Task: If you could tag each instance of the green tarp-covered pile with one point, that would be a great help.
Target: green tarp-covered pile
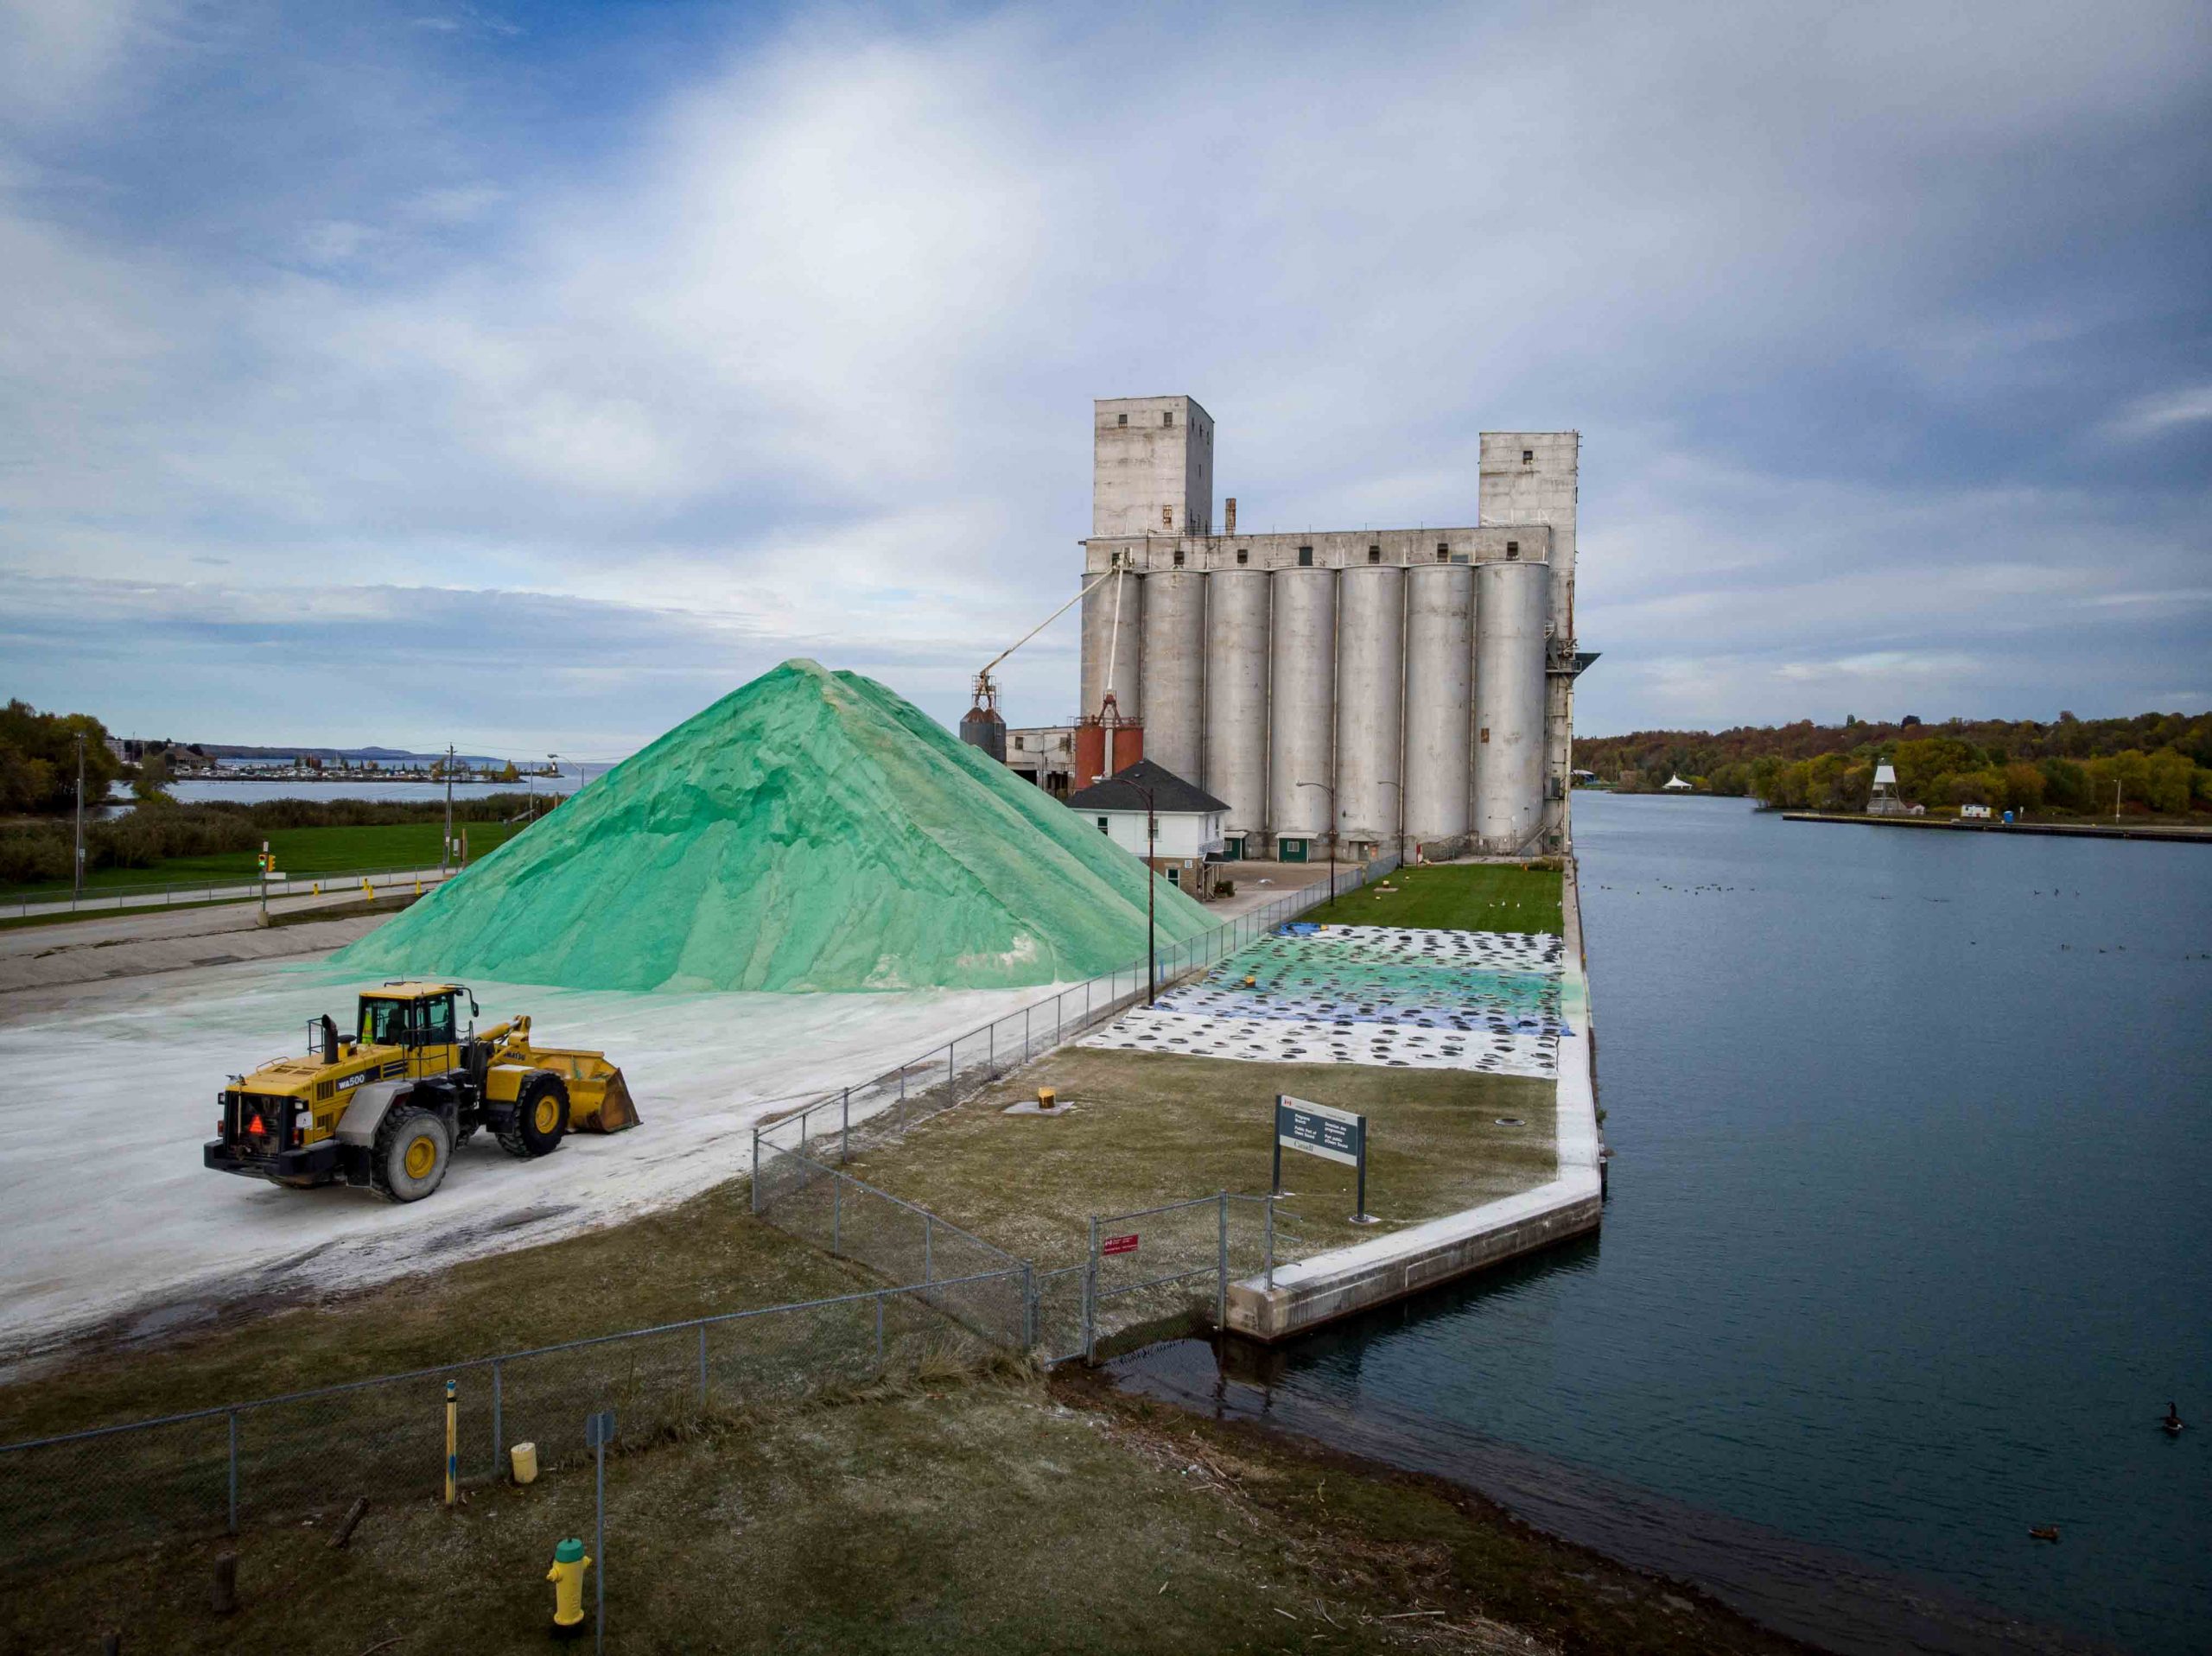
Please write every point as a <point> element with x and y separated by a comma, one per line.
<point>811,831</point>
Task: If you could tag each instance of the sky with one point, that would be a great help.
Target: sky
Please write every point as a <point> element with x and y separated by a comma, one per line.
<point>528,375</point>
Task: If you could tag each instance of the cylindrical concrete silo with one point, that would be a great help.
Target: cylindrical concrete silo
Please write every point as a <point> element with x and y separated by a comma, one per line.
<point>1236,700</point>
<point>1301,697</point>
<point>1440,670</point>
<point>1510,603</point>
<point>1174,670</point>
<point>1125,641</point>
<point>1370,680</point>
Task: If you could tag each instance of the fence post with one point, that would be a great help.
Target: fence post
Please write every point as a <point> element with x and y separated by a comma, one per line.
<point>1029,1305</point>
<point>1025,1035</point>
<point>948,1066</point>
<point>845,1130</point>
<point>234,1471</point>
<point>1271,1244</point>
<point>756,1170</point>
<point>991,1050</point>
<point>1091,1294</point>
<point>879,1333</point>
<point>702,1366</point>
<point>926,1223</point>
<point>1221,1288</point>
<point>498,1430</point>
<point>836,1214</point>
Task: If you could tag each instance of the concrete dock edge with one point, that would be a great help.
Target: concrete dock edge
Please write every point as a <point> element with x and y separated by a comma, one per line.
<point>1349,1279</point>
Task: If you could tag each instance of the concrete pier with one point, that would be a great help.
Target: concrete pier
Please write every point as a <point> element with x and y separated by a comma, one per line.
<point>2066,830</point>
<point>1329,1285</point>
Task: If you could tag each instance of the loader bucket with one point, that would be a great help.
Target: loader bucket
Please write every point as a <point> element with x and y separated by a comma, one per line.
<point>599,1099</point>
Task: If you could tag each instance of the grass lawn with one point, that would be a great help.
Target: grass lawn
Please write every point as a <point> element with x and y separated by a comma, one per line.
<point>302,853</point>
<point>1151,1128</point>
<point>705,1256</point>
<point>1455,897</point>
<point>1000,1513</point>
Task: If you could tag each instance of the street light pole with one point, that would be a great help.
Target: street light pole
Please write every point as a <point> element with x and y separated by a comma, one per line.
<point>77,880</point>
<point>1151,882</point>
<point>1331,792</point>
<point>445,851</point>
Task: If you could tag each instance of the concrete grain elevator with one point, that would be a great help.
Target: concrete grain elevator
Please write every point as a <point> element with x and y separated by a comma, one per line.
<point>1346,692</point>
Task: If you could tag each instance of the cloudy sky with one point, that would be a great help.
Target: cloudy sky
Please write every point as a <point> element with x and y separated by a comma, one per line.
<point>529,375</point>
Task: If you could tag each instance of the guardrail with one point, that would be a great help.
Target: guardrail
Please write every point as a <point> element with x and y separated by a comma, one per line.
<point>97,899</point>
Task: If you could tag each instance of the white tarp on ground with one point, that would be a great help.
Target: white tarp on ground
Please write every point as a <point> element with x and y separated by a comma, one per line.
<point>1378,995</point>
<point>105,1208</point>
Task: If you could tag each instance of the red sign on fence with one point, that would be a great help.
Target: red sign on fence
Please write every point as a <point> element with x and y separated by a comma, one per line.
<point>1119,1244</point>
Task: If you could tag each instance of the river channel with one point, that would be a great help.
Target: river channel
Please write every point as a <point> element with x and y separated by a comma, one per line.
<point>1909,1244</point>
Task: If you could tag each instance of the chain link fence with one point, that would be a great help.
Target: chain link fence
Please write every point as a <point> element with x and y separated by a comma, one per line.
<point>117,1489</point>
<point>956,1299</point>
<point>885,1106</point>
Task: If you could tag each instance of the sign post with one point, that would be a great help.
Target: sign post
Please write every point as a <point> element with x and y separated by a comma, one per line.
<point>598,1428</point>
<point>1332,1134</point>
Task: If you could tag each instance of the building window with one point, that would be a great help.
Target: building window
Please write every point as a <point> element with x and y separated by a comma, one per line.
<point>1120,419</point>
<point>1374,554</point>
<point>1178,557</point>
<point>1443,552</point>
<point>1101,821</point>
<point>1168,418</point>
<point>1513,549</point>
<point>1175,875</point>
<point>1243,555</point>
<point>1167,517</point>
<point>1306,557</point>
<point>1527,457</point>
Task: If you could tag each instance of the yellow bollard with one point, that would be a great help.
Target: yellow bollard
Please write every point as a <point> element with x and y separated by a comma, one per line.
<point>368,891</point>
<point>452,1444</point>
<point>315,889</point>
<point>418,885</point>
<point>567,1575</point>
<point>524,1457</point>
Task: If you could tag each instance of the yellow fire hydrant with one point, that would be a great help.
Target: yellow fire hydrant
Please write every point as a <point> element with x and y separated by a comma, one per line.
<point>568,1579</point>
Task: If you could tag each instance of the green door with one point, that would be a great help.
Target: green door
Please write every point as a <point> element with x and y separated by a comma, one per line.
<point>1290,850</point>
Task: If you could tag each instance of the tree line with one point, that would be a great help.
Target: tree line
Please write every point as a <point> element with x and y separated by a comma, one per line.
<point>2159,763</point>
<point>38,795</point>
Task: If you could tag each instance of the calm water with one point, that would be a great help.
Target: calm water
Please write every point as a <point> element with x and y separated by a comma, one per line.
<point>193,793</point>
<point>1909,1244</point>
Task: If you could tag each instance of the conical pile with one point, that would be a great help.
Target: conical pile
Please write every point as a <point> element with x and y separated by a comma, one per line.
<point>811,831</point>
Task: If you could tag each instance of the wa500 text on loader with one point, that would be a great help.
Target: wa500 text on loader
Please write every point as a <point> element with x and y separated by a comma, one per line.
<point>388,1107</point>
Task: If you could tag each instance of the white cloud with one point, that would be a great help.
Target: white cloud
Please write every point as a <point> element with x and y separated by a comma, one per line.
<point>2162,411</point>
<point>808,339</point>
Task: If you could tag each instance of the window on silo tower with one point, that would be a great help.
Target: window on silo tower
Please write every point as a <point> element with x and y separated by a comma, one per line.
<point>1168,418</point>
<point>1120,419</point>
<point>1304,557</point>
<point>1374,554</point>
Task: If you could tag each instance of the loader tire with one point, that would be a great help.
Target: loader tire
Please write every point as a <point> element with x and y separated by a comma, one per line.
<point>412,1151</point>
<point>540,1118</point>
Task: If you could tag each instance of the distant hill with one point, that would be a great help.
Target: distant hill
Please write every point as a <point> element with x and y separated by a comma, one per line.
<point>333,755</point>
<point>2159,761</point>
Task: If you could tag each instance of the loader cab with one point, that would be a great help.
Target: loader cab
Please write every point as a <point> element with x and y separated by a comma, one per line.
<point>423,1019</point>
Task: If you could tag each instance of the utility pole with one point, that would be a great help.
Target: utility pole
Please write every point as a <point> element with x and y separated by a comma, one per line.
<point>77,880</point>
<point>1151,851</point>
<point>2115,793</point>
<point>445,851</point>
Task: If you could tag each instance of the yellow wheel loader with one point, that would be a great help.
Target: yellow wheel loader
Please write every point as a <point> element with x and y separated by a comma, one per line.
<point>387,1108</point>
